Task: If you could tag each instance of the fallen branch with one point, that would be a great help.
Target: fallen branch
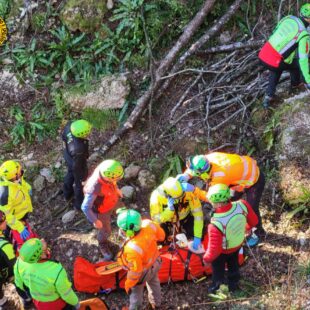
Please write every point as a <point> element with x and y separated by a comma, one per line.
<point>232,47</point>
<point>161,71</point>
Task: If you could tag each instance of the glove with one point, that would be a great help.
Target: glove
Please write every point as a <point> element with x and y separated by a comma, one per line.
<point>196,243</point>
<point>182,177</point>
<point>25,234</point>
<point>171,204</point>
<point>187,187</point>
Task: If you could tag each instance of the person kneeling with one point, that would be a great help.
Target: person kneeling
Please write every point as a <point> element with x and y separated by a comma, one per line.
<point>141,257</point>
<point>226,234</point>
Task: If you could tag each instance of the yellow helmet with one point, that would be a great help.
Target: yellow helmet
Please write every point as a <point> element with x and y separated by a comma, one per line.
<point>173,188</point>
<point>10,170</point>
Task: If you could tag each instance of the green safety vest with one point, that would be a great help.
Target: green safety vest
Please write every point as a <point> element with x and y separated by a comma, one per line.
<point>232,224</point>
<point>47,281</point>
<point>287,35</point>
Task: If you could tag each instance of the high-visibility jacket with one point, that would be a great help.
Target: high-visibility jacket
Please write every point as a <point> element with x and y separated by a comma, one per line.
<point>188,204</point>
<point>290,39</point>
<point>15,202</point>
<point>140,252</point>
<point>100,196</point>
<point>46,280</point>
<point>7,259</point>
<point>238,172</point>
<point>232,225</point>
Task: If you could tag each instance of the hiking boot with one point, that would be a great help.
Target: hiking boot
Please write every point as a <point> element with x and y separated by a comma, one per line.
<point>212,289</point>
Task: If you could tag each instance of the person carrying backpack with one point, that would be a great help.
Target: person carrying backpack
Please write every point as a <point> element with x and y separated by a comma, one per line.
<point>226,234</point>
<point>140,256</point>
<point>288,50</point>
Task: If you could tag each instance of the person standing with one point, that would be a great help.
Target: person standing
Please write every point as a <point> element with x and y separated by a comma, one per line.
<point>75,136</point>
<point>140,256</point>
<point>288,50</point>
<point>240,173</point>
<point>44,279</point>
<point>15,200</point>
<point>226,234</point>
<point>101,198</point>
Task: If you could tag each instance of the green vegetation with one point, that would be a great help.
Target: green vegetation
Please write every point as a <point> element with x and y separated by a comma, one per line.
<point>173,167</point>
<point>301,204</point>
<point>4,8</point>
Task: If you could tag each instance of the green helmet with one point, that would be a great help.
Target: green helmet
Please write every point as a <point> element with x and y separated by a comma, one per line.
<point>199,165</point>
<point>81,128</point>
<point>128,220</point>
<point>111,169</point>
<point>305,10</point>
<point>10,170</point>
<point>218,193</point>
<point>173,188</point>
<point>31,251</point>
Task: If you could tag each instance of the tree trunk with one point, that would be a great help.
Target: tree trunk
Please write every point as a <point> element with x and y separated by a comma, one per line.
<point>162,69</point>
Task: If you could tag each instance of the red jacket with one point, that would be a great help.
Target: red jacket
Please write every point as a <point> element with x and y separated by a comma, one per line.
<point>215,236</point>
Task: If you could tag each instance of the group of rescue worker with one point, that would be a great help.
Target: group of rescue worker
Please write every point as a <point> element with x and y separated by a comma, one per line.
<point>177,205</point>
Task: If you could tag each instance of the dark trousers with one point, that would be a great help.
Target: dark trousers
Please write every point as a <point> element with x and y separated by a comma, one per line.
<point>253,197</point>
<point>275,74</point>
<point>218,269</point>
<point>69,189</point>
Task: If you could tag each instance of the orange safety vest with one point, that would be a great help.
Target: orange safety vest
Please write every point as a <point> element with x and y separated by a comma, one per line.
<point>236,171</point>
<point>107,193</point>
<point>140,252</point>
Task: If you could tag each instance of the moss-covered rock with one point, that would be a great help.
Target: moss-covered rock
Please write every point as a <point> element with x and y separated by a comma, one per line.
<point>294,151</point>
<point>84,15</point>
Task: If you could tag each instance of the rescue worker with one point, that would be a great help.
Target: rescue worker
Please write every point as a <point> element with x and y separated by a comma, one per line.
<point>15,199</point>
<point>75,136</point>
<point>226,234</point>
<point>101,198</point>
<point>7,259</point>
<point>171,204</point>
<point>288,50</point>
<point>46,280</point>
<point>141,257</point>
<point>240,173</point>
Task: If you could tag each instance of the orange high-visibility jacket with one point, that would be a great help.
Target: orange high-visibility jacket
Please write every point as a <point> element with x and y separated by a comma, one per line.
<point>238,172</point>
<point>140,252</point>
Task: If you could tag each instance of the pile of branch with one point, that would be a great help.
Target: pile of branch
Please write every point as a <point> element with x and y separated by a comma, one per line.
<point>217,93</point>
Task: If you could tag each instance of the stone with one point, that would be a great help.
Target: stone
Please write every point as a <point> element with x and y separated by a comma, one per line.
<point>38,183</point>
<point>293,151</point>
<point>57,165</point>
<point>47,173</point>
<point>69,252</point>
<point>109,93</point>
<point>68,217</point>
<point>128,191</point>
<point>146,179</point>
<point>30,163</point>
<point>131,172</point>
<point>225,37</point>
<point>84,15</point>
<point>93,157</point>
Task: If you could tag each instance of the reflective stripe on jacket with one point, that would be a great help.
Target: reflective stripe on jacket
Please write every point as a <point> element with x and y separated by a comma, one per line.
<point>236,171</point>
<point>140,252</point>
<point>232,224</point>
<point>189,203</point>
<point>46,281</point>
<point>15,202</point>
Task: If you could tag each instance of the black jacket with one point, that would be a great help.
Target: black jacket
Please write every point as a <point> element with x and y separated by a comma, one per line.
<point>75,153</point>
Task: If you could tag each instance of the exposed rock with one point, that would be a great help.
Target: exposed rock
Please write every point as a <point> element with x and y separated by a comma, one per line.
<point>47,173</point>
<point>38,183</point>
<point>12,90</point>
<point>128,191</point>
<point>93,157</point>
<point>30,163</point>
<point>57,165</point>
<point>83,15</point>
<point>109,93</point>
<point>131,171</point>
<point>294,152</point>
<point>68,217</point>
<point>146,179</point>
